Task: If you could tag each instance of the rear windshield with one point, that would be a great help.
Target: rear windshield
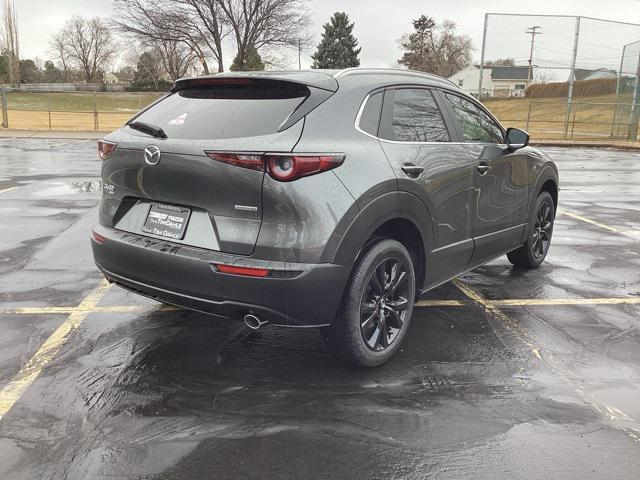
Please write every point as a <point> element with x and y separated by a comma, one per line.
<point>224,111</point>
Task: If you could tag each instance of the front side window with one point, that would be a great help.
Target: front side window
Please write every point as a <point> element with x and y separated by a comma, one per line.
<point>416,117</point>
<point>477,125</point>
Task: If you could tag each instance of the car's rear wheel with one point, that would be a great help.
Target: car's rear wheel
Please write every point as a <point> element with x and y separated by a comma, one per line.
<point>533,253</point>
<point>377,306</point>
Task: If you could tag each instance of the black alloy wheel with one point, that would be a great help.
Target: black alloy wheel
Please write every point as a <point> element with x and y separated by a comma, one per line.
<point>541,237</point>
<point>377,307</point>
<point>534,251</point>
<point>384,304</point>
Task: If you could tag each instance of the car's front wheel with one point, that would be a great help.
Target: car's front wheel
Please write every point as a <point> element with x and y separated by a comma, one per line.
<point>377,306</point>
<point>533,253</point>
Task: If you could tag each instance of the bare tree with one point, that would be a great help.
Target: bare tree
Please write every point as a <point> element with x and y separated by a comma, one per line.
<point>177,58</point>
<point>266,24</point>
<point>199,24</point>
<point>10,41</point>
<point>545,76</point>
<point>89,45</point>
<point>500,62</point>
<point>58,48</point>
<point>435,48</point>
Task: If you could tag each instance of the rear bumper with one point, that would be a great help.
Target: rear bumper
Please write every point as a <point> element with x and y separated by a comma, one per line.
<point>297,295</point>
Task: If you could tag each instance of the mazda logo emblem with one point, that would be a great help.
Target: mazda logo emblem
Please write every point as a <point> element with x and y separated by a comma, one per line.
<point>152,155</point>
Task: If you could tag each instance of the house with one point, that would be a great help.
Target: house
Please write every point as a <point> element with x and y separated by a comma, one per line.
<point>586,74</point>
<point>497,81</point>
<point>110,78</point>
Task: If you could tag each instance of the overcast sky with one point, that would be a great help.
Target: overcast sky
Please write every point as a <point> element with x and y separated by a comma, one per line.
<point>379,24</point>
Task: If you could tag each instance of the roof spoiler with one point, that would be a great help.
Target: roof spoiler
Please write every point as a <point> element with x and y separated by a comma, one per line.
<point>309,79</point>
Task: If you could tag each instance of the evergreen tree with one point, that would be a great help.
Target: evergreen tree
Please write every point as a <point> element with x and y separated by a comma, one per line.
<point>338,47</point>
<point>148,72</point>
<point>251,61</point>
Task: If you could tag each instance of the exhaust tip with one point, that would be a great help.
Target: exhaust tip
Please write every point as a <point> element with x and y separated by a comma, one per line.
<point>253,322</point>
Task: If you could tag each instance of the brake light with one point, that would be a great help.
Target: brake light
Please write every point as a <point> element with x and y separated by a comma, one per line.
<point>105,148</point>
<point>286,168</point>
<point>281,167</point>
<point>244,271</point>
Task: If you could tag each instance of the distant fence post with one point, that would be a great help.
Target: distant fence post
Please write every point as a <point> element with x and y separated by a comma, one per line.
<point>635,108</point>
<point>5,115</point>
<point>572,76</point>
<point>49,108</point>
<point>482,52</point>
<point>95,111</point>
<point>529,115</point>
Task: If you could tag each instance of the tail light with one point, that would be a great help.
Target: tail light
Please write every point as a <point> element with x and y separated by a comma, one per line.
<point>281,167</point>
<point>245,160</point>
<point>105,148</point>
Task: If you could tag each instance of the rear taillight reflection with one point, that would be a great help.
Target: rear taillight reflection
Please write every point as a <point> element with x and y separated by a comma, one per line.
<point>281,167</point>
<point>243,271</point>
<point>96,237</point>
<point>105,148</point>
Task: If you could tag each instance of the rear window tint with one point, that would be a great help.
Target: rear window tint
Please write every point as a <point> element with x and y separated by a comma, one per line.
<point>225,111</point>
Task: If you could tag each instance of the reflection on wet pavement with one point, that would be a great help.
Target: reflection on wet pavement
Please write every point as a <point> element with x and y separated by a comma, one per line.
<point>175,394</point>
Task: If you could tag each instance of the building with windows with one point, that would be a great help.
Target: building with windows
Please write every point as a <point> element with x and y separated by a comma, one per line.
<point>497,81</point>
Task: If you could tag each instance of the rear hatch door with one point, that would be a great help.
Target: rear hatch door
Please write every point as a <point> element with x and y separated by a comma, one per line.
<point>220,203</point>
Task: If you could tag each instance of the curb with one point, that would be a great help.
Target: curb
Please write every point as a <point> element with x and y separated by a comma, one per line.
<point>617,146</point>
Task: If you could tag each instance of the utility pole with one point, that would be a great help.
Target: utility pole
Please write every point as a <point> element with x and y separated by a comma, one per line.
<point>533,31</point>
<point>299,54</point>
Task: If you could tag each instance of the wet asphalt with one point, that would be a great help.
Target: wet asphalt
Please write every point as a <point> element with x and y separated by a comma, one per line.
<point>487,392</point>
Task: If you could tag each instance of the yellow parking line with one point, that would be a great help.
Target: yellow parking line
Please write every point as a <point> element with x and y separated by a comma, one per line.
<point>492,309</point>
<point>566,301</point>
<point>587,220</point>
<point>513,302</point>
<point>440,303</point>
<point>12,392</point>
<point>614,414</point>
<point>111,309</point>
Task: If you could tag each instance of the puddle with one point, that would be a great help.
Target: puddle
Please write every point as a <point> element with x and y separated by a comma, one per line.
<point>55,189</point>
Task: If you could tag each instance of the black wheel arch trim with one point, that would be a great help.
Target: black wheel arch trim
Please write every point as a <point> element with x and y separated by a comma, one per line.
<point>386,207</point>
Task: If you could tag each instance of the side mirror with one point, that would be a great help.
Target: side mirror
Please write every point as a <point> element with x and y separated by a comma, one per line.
<point>516,138</point>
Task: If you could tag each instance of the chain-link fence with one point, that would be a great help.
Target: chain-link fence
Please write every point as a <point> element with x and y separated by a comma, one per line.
<point>580,74</point>
<point>74,111</point>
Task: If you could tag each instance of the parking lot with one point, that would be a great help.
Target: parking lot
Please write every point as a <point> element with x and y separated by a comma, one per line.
<point>505,374</point>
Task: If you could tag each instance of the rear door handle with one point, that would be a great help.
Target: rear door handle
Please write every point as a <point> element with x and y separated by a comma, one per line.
<point>412,169</point>
<point>483,168</point>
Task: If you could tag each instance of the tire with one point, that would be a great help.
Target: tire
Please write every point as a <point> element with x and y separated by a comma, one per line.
<point>379,297</point>
<point>540,230</point>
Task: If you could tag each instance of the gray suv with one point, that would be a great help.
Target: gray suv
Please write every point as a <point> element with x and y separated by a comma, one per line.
<point>328,199</point>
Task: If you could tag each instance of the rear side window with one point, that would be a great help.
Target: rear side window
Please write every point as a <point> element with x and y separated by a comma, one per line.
<point>224,111</point>
<point>370,117</point>
<point>415,117</point>
<point>476,124</point>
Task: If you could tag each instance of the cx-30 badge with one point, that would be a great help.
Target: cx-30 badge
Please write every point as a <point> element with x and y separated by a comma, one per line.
<point>152,155</point>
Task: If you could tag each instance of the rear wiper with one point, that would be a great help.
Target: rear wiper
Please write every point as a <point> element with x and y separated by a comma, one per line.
<point>148,129</point>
